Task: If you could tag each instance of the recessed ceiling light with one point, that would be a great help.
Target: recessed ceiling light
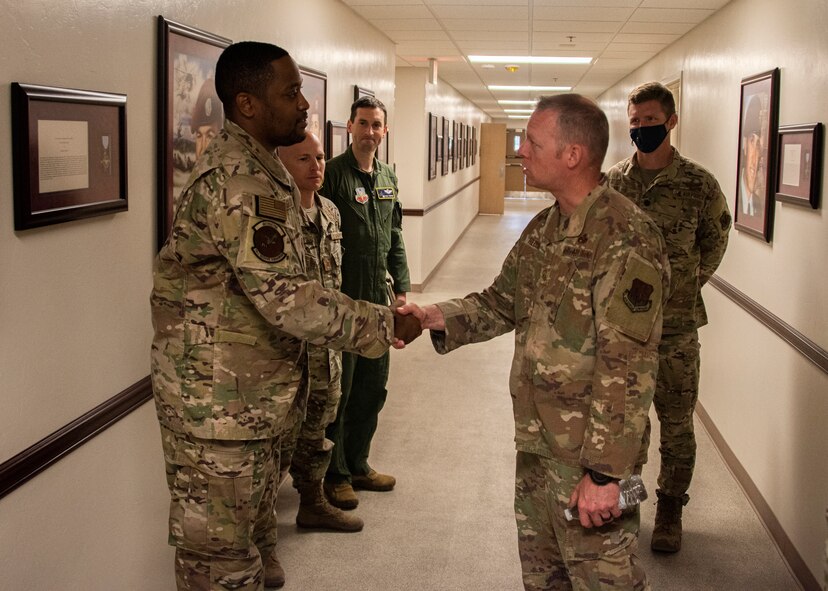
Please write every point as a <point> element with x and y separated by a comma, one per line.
<point>513,102</point>
<point>531,88</point>
<point>527,59</point>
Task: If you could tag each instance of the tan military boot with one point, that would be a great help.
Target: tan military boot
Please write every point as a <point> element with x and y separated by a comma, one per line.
<point>274,574</point>
<point>373,481</point>
<point>341,494</point>
<point>667,529</point>
<point>316,512</point>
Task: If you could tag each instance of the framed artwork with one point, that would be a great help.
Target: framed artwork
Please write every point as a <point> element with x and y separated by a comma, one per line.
<point>453,146</point>
<point>432,146</point>
<point>758,112</point>
<point>444,165</point>
<point>461,146</point>
<point>315,87</point>
<point>69,154</point>
<point>799,165</point>
<point>360,92</point>
<point>386,148</point>
<point>190,113</point>
<point>474,146</point>
<point>337,139</point>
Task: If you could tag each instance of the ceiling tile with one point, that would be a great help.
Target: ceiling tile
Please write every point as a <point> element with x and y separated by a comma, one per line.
<point>645,38</point>
<point>706,4</point>
<point>579,13</point>
<point>404,11</point>
<point>576,26</point>
<point>418,35</point>
<point>484,12</point>
<point>669,28</point>
<point>412,24</point>
<point>670,15</point>
<point>579,3</point>
<point>477,24</point>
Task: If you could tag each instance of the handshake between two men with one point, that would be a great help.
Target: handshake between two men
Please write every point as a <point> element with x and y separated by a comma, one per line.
<point>410,320</point>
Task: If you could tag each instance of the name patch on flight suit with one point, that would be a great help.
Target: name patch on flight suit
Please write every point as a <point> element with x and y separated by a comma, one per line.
<point>385,192</point>
<point>636,299</point>
<point>361,196</point>
<point>268,242</point>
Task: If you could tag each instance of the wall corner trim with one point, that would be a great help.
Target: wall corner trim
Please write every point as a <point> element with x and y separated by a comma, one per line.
<point>52,448</point>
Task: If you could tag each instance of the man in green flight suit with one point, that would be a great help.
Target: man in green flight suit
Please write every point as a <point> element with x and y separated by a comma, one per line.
<point>686,203</point>
<point>365,192</point>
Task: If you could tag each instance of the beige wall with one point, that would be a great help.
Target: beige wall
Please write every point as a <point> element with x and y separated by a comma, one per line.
<point>769,403</point>
<point>428,238</point>
<point>75,314</point>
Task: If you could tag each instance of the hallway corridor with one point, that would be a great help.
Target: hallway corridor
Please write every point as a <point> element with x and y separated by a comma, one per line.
<point>446,433</point>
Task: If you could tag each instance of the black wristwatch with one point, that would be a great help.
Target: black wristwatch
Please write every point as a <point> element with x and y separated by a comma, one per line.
<point>600,479</point>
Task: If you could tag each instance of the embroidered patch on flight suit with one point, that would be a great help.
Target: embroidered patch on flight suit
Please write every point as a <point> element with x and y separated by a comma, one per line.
<point>385,192</point>
<point>267,206</point>
<point>636,299</point>
<point>268,243</point>
<point>361,196</point>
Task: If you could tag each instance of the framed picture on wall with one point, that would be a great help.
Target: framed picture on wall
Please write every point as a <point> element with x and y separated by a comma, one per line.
<point>337,139</point>
<point>386,148</point>
<point>360,92</point>
<point>314,87</point>
<point>474,146</point>
<point>758,114</point>
<point>799,165</point>
<point>444,165</point>
<point>432,146</point>
<point>453,146</point>
<point>190,113</point>
<point>69,154</point>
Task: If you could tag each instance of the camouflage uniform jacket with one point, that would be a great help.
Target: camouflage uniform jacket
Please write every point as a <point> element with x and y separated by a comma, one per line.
<point>323,256</point>
<point>690,209</point>
<point>584,295</point>
<point>372,240</point>
<point>232,303</point>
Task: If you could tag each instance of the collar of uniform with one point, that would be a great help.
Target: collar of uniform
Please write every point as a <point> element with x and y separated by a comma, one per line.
<point>352,161</point>
<point>670,171</point>
<point>572,225</point>
<point>267,159</point>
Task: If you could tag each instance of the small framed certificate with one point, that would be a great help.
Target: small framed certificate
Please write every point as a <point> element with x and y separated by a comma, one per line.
<point>799,166</point>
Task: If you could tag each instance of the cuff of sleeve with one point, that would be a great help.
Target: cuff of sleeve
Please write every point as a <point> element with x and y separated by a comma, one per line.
<point>384,337</point>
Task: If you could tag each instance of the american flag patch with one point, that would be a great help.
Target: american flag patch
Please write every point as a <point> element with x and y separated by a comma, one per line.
<point>271,208</point>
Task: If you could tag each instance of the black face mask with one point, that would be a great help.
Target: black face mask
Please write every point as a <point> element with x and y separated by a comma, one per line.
<point>648,139</point>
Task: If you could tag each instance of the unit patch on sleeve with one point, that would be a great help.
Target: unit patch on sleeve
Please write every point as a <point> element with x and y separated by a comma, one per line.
<point>268,242</point>
<point>635,302</point>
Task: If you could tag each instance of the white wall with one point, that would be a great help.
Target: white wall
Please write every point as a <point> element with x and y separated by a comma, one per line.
<point>75,316</point>
<point>428,238</point>
<point>769,403</point>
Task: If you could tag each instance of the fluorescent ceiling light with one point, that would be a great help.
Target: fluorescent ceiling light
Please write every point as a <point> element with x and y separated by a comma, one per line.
<point>518,116</point>
<point>527,59</point>
<point>518,110</point>
<point>531,88</point>
<point>511,102</point>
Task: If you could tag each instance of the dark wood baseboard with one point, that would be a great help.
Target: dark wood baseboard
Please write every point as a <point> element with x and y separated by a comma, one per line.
<point>796,564</point>
<point>35,459</point>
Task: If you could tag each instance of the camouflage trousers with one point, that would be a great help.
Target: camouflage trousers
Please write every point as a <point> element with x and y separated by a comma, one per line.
<point>677,390</point>
<point>222,510</point>
<point>306,452</point>
<point>557,554</point>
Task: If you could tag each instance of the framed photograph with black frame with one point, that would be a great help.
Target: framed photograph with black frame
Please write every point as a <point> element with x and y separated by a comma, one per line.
<point>338,139</point>
<point>190,113</point>
<point>474,145</point>
<point>360,92</point>
<point>386,148</point>
<point>69,154</point>
<point>453,145</point>
<point>799,165</point>
<point>758,117</point>
<point>432,146</point>
<point>444,165</point>
<point>315,89</point>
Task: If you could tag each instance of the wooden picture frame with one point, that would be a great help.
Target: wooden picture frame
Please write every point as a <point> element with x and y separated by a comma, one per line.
<point>189,110</point>
<point>444,165</point>
<point>386,148</point>
<point>799,164</point>
<point>474,146</point>
<point>758,121</point>
<point>453,146</point>
<point>432,146</point>
<point>69,151</point>
<point>315,90</point>
<point>360,92</point>
<point>338,139</point>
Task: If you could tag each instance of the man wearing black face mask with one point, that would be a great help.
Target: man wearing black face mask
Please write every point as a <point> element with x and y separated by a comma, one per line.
<point>685,201</point>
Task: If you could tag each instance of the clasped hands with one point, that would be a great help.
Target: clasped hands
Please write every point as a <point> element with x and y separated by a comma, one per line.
<point>410,320</point>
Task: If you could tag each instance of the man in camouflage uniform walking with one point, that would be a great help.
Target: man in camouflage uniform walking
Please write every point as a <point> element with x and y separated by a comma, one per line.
<point>306,452</point>
<point>583,290</point>
<point>687,204</point>
<point>231,308</point>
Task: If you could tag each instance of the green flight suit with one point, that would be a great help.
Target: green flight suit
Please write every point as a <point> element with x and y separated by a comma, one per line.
<point>373,247</point>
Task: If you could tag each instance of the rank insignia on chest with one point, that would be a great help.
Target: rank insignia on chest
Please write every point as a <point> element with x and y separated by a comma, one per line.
<point>336,235</point>
<point>326,264</point>
<point>269,242</point>
<point>638,296</point>
<point>385,193</point>
<point>361,196</point>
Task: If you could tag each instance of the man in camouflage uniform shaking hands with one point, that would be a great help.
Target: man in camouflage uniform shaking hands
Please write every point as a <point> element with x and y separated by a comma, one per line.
<point>232,307</point>
<point>583,290</point>
<point>691,211</point>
